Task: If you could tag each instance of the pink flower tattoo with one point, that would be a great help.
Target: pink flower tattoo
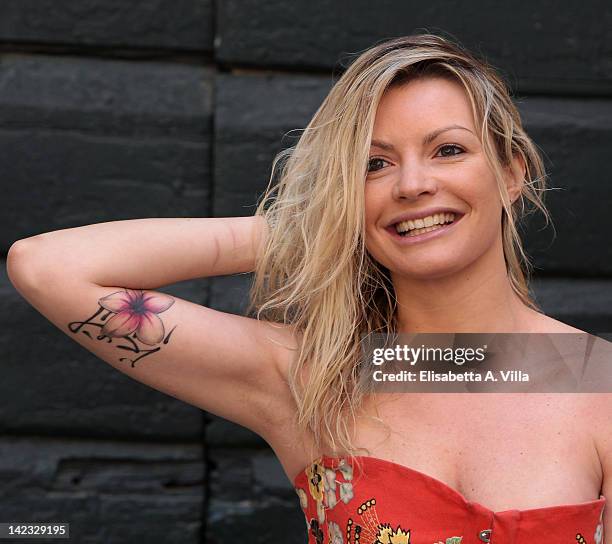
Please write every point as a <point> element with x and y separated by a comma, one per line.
<point>134,317</point>
<point>136,312</point>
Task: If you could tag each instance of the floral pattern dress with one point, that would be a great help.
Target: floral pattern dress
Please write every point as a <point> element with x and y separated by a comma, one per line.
<point>366,500</point>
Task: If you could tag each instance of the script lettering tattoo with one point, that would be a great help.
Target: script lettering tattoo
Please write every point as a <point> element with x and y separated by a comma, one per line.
<point>134,318</point>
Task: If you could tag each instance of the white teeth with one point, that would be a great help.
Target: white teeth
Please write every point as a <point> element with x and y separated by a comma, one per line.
<point>425,222</point>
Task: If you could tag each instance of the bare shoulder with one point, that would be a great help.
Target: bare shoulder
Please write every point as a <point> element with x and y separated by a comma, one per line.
<point>596,408</point>
<point>599,408</point>
<point>546,324</point>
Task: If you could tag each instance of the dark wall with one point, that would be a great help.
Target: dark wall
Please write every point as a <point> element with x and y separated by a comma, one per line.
<point>115,110</point>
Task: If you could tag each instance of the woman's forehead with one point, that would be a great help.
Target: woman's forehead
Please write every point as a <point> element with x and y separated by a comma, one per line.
<point>423,108</point>
<point>423,99</point>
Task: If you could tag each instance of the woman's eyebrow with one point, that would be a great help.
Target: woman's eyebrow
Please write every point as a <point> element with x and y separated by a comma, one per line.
<point>426,140</point>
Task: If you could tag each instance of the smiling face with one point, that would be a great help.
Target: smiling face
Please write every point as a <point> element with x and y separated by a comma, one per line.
<point>419,163</point>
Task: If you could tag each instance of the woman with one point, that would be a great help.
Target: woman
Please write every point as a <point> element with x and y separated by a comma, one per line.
<point>416,133</point>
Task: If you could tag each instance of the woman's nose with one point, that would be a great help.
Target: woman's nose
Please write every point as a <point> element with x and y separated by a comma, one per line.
<point>413,180</point>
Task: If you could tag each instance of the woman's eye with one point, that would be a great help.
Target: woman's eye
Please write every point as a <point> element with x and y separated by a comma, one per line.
<point>449,150</point>
<point>374,161</point>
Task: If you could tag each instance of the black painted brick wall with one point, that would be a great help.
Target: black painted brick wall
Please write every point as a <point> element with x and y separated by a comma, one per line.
<point>113,110</point>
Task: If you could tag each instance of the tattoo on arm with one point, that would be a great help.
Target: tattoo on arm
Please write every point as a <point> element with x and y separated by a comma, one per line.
<point>134,319</point>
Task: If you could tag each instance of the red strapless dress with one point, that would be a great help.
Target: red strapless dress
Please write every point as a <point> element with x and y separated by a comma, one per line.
<point>373,501</point>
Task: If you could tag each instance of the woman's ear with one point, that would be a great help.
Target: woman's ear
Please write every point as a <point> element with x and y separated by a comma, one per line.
<point>517,172</point>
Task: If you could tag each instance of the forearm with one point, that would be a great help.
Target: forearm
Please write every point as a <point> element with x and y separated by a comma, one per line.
<point>148,253</point>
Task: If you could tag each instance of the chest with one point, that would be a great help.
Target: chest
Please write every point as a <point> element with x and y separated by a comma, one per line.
<point>504,451</point>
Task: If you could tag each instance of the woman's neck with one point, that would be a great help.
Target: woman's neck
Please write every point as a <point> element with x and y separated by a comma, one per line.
<point>478,298</point>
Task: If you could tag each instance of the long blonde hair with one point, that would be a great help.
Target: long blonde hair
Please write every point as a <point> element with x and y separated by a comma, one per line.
<point>315,273</point>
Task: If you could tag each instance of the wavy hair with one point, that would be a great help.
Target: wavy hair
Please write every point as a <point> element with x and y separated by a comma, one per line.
<point>314,272</point>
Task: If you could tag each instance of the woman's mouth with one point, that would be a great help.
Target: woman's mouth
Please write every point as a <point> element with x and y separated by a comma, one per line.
<point>422,234</point>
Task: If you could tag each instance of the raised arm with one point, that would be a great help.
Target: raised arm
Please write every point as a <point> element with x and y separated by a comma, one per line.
<point>147,253</point>
<point>97,284</point>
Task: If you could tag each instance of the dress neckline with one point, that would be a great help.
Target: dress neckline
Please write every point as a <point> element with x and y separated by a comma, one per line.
<point>367,459</point>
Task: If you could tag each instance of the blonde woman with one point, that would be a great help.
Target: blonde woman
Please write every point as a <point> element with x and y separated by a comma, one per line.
<point>396,211</point>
